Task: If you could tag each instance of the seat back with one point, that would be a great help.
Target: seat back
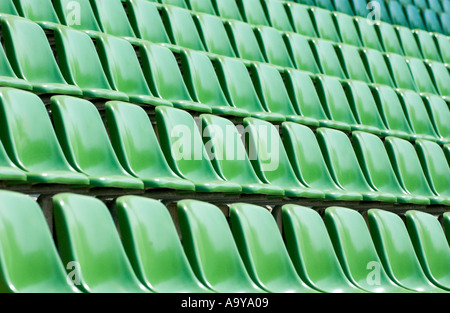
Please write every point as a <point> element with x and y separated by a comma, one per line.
<point>37,10</point>
<point>112,18</point>
<point>78,14</point>
<point>215,35</point>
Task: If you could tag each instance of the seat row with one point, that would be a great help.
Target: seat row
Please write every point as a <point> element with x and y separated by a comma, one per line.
<point>334,255</point>
<point>78,152</point>
<point>173,24</point>
<point>110,69</point>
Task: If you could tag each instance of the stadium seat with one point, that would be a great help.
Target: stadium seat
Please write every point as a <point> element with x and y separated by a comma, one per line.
<point>153,246</point>
<point>177,3</point>
<point>441,76</point>
<point>32,58</point>
<point>271,162</point>
<point>389,38</point>
<point>396,251</point>
<point>397,14</point>
<point>360,7</point>
<point>278,16</point>
<point>83,225</point>
<point>414,17</point>
<point>409,171</point>
<point>343,165</point>
<point>78,121</point>
<point>356,252</point>
<point>37,10</point>
<point>432,21</point>
<point>263,251</point>
<point>325,4</point>
<point>446,6</point>
<point>301,53</point>
<point>30,262</point>
<point>368,34</point>
<point>427,45</point>
<point>436,5</point>
<point>7,76</point>
<point>400,72</point>
<point>137,147</point>
<point>325,26</point>
<point>202,6</point>
<point>189,158</point>
<point>8,170</point>
<point>312,252</point>
<point>421,76</point>
<point>273,46</point>
<point>30,140</point>
<point>211,249</point>
<point>343,6</point>
<point>445,21</point>
<point>227,9</point>
<point>384,13</point>
<point>352,63</point>
<point>253,12</point>
<point>347,29</point>
<point>244,41</point>
<point>444,47</point>
<point>112,18</point>
<point>327,58</point>
<point>301,20</point>
<point>229,156</point>
<point>409,43</point>
<point>214,35</point>
<point>78,14</point>
<point>8,7</point>
<point>431,247</point>
<point>439,114</point>
<point>420,4</point>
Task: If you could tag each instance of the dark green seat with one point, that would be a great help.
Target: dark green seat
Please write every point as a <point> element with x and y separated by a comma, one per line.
<point>183,148</point>
<point>31,143</point>
<point>301,19</point>
<point>229,156</point>
<point>396,251</point>
<point>87,235</point>
<point>431,247</point>
<point>211,249</point>
<point>244,41</point>
<point>227,9</point>
<point>378,170</point>
<point>311,250</point>
<point>153,247</point>
<point>271,162</point>
<point>137,147</point>
<point>409,171</point>
<point>446,218</point>
<point>309,164</point>
<point>29,260</point>
<point>352,63</point>
<point>112,18</point>
<point>123,70</point>
<point>325,26</point>
<point>253,12</point>
<point>37,10</point>
<point>356,251</point>
<point>327,58</point>
<point>32,58</point>
<point>263,251</point>
<point>447,152</point>
<point>85,142</point>
<point>301,53</point>
<point>277,13</point>
<point>8,7</point>
<point>343,165</point>
<point>76,14</point>
<point>273,46</point>
<point>215,35</point>
<point>377,67</point>
<point>439,114</point>
<point>347,29</point>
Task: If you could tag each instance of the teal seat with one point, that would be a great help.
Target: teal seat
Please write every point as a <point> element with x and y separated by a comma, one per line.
<point>112,18</point>
<point>211,249</point>
<point>87,235</point>
<point>431,20</point>
<point>137,147</point>
<point>390,39</point>
<point>377,67</point>
<point>29,260</point>
<point>409,171</point>
<point>356,251</point>
<point>327,58</point>
<point>301,19</point>
<point>8,7</point>
<point>343,165</point>
<point>7,76</point>
<point>153,247</point>
<point>78,14</point>
<point>32,58</point>
<point>215,35</point>
<point>263,251</point>
<point>377,168</point>
<point>123,70</point>
<point>253,12</point>
<point>397,14</point>
<point>440,75</point>
<point>273,46</point>
<point>183,148</point>
<point>396,251</point>
<point>408,42</point>
<point>312,252</point>
<point>227,9</point>
<point>85,142</point>
<point>439,115</point>
<point>277,13</point>
<point>37,10</point>
<point>431,247</point>
<point>244,41</point>
<point>360,7</point>
<point>352,63</point>
<point>414,17</point>
<point>271,162</point>
<point>30,141</point>
<point>343,6</point>
<point>301,53</point>
<point>445,21</point>
<point>203,6</point>
<point>165,79</point>
<point>309,164</point>
<point>421,76</point>
<point>324,4</point>
<point>401,72</point>
<point>347,28</point>
<point>325,26</point>
<point>427,45</point>
<point>81,66</point>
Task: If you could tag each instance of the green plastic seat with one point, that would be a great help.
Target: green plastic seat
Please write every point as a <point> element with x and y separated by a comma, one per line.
<point>177,3</point>
<point>409,171</point>
<point>401,72</point>
<point>325,26</point>
<point>229,156</point>
<point>397,14</point>
<point>253,12</point>
<point>240,90</point>
<point>153,247</point>
<point>368,34</point>
<point>390,40</point>
<point>30,141</point>
<point>353,63</point>
<point>8,170</point>
<point>427,45</point>
<point>439,114</point>
<point>204,84</point>
<point>263,251</point>
<point>137,147</point>
<point>112,18</point>
<point>7,76</point>
<point>146,21</point>
<point>183,148</point>
<point>396,251</point>
<point>440,75</point>
<point>37,10</point>
<point>311,250</point>
<point>347,29</point>
<point>431,21</point>
<point>445,22</point>
<point>356,251</point>
<point>29,260</point>
<point>343,6</point>
<point>327,58</point>
<point>309,163</point>
<point>301,53</point>
<point>85,142</point>
<point>32,58</point>
<point>81,66</point>
<point>8,7</point>
<point>446,219</point>
<point>377,67</point>
<point>421,76</point>
<point>124,71</point>
<point>301,19</point>
<point>211,249</point>
<point>326,5</point>
<point>446,6</point>
<point>76,14</point>
<point>165,79</point>
<point>87,235</point>
<point>414,17</point>
<point>278,15</point>
<point>447,152</point>
<point>431,247</point>
<point>202,6</point>
<point>435,166</point>
<point>360,7</point>
<point>273,46</point>
<point>378,170</point>
<point>408,42</point>
<point>215,35</point>
<point>244,41</point>
<point>436,5</point>
<point>227,9</point>
<point>271,162</point>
